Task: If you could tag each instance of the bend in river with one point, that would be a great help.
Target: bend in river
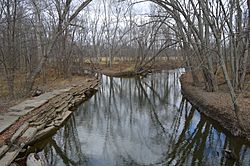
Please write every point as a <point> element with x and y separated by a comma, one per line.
<point>142,122</point>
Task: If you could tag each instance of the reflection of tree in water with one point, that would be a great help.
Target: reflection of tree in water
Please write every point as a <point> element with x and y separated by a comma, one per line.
<point>200,146</point>
<point>151,114</point>
<point>65,146</point>
<point>141,96</point>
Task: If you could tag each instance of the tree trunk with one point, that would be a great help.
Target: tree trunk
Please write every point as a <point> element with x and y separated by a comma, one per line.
<point>246,54</point>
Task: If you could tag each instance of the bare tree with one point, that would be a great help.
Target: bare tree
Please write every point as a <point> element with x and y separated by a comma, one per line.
<point>63,10</point>
<point>208,31</point>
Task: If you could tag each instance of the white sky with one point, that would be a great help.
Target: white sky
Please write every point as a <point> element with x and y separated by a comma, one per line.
<point>140,11</point>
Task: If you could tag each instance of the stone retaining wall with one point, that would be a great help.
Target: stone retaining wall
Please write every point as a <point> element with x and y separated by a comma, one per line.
<point>36,118</point>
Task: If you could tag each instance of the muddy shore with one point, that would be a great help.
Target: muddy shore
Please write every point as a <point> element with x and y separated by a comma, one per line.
<point>218,106</point>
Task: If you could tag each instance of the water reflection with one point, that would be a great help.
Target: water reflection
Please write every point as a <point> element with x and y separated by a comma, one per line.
<point>142,122</point>
<point>63,148</point>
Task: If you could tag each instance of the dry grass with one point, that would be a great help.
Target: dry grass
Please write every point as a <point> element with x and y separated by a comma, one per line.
<point>121,66</point>
<point>45,82</point>
<point>51,80</point>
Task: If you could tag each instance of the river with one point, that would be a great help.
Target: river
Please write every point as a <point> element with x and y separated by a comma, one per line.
<point>145,121</point>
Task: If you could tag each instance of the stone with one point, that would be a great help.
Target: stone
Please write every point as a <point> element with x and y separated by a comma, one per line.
<point>36,159</point>
<point>59,118</point>
<point>60,106</point>
<point>46,96</point>
<point>61,91</point>
<point>9,157</point>
<point>60,109</point>
<point>19,131</point>
<point>37,92</point>
<point>44,132</point>
<point>29,134</point>
<point>65,116</point>
<point>14,151</point>
<point>50,124</point>
<point>20,112</point>
<point>57,124</point>
<point>83,96</point>
<point>26,107</point>
<point>6,121</point>
<point>36,123</point>
<point>53,114</point>
<point>3,149</point>
<point>70,105</point>
<point>40,127</point>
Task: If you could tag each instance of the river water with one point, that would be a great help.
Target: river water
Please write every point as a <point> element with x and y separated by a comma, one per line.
<point>142,122</point>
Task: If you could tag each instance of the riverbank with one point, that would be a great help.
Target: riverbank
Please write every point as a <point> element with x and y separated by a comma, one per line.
<point>37,117</point>
<point>42,85</point>
<point>218,106</point>
<point>127,69</point>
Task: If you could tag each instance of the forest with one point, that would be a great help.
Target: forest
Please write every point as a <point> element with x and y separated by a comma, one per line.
<point>209,36</point>
<point>45,43</point>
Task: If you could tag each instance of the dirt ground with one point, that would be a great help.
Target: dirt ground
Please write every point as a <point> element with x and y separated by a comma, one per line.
<point>218,106</point>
